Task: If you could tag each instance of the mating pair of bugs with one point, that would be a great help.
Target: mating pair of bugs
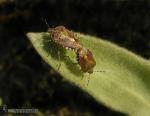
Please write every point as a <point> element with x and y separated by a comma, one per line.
<point>68,39</point>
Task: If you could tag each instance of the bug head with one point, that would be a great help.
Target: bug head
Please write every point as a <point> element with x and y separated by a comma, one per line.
<point>86,60</point>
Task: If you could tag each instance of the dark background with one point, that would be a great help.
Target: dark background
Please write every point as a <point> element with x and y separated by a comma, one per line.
<point>26,81</point>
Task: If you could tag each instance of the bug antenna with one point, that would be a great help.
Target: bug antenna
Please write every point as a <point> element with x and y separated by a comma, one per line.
<point>99,71</point>
<point>44,19</point>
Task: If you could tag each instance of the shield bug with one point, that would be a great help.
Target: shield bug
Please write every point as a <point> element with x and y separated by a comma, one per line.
<point>68,39</point>
<point>65,38</point>
<point>86,60</point>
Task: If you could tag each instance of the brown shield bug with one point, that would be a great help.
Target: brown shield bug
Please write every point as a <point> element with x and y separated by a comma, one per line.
<point>65,38</point>
<point>86,60</point>
<point>69,40</point>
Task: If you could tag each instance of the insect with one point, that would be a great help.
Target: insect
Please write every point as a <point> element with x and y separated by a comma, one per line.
<point>86,60</point>
<point>69,40</point>
<point>65,38</point>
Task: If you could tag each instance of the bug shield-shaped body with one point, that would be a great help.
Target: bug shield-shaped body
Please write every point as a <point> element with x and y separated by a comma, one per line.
<point>65,38</point>
<point>68,39</point>
<point>86,60</point>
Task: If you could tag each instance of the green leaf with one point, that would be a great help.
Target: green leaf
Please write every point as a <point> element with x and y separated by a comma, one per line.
<point>125,84</point>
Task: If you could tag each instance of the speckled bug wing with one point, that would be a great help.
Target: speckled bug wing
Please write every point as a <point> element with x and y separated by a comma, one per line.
<point>86,60</point>
<point>64,37</point>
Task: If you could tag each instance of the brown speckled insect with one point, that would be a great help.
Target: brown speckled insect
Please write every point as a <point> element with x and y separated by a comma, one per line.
<point>65,38</point>
<point>86,60</point>
<point>69,40</point>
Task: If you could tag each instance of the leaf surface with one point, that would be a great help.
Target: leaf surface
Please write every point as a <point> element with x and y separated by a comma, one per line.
<point>125,84</point>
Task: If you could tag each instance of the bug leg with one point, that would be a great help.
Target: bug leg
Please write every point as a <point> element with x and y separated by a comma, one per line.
<point>100,71</point>
<point>88,80</point>
<point>49,52</point>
